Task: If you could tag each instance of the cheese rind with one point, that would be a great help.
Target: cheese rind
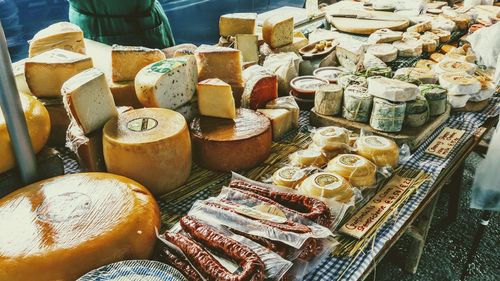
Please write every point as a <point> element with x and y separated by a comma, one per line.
<point>325,185</point>
<point>387,116</point>
<point>219,62</point>
<point>238,23</point>
<point>127,61</point>
<point>357,104</point>
<point>277,31</point>
<point>417,112</point>
<point>261,87</point>
<point>420,27</point>
<point>350,54</point>
<point>281,121</point>
<point>391,89</point>
<point>286,67</point>
<point>61,35</point>
<point>385,36</point>
<point>215,98</point>
<point>328,99</point>
<point>359,171</point>
<point>455,66</point>
<point>18,70</point>
<point>423,75</point>
<point>330,138</point>
<point>287,103</point>
<point>408,48</point>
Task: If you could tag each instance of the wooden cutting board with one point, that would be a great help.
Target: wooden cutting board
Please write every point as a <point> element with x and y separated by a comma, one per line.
<point>378,20</point>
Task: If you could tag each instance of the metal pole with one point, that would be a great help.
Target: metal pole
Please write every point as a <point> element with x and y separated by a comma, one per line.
<point>10,104</point>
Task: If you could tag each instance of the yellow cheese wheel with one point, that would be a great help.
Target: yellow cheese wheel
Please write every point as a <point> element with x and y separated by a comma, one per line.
<point>330,138</point>
<point>308,157</point>
<point>38,122</point>
<point>61,228</point>
<point>359,171</point>
<point>149,145</point>
<point>325,185</point>
<point>288,176</point>
<point>381,151</point>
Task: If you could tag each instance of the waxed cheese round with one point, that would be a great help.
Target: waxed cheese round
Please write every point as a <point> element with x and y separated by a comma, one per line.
<point>149,145</point>
<point>359,171</point>
<point>330,138</point>
<point>63,227</point>
<point>38,123</point>
<point>308,157</point>
<point>325,185</point>
<point>381,151</point>
<point>288,176</point>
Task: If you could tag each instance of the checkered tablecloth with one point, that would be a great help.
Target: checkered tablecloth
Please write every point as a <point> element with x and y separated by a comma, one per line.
<point>352,268</point>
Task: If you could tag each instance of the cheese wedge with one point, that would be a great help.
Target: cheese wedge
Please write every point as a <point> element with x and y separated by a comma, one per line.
<point>408,48</point>
<point>277,31</point>
<point>261,87</point>
<point>219,62</point>
<point>385,52</point>
<point>61,35</point>
<point>124,94</point>
<point>391,89</point>
<point>350,54</point>
<point>247,44</point>
<point>238,23</point>
<point>429,44</point>
<point>281,121</point>
<point>385,36</point>
<point>215,98</point>
<point>45,73</point>
<point>18,70</point>
<point>297,44</point>
<point>127,61</point>
<point>289,104</point>
<point>371,61</point>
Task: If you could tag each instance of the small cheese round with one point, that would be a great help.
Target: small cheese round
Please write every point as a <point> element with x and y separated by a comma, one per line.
<point>429,45</point>
<point>455,66</point>
<point>459,83</point>
<point>444,35</point>
<point>359,171</point>
<point>149,145</point>
<point>325,185</point>
<point>63,227</point>
<point>38,122</point>
<point>308,157</point>
<point>381,151</point>
<point>425,76</point>
<point>430,36</point>
<point>385,52</point>
<point>289,176</point>
<point>330,138</point>
<point>425,64</point>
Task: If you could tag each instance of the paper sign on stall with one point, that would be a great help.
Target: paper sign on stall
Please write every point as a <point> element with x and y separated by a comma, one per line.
<point>445,141</point>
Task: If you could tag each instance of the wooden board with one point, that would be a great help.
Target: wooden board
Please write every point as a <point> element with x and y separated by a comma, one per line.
<point>473,106</point>
<point>381,20</point>
<point>413,137</point>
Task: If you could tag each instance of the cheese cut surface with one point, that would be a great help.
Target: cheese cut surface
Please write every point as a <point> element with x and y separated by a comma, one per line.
<point>231,145</point>
<point>38,122</point>
<point>392,89</point>
<point>281,121</point>
<point>124,94</point>
<point>247,44</point>
<point>350,54</point>
<point>168,83</point>
<point>61,35</point>
<point>88,100</point>
<point>381,151</point>
<point>261,87</point>
<point>149,145</point>
<point>278,31</point>
<point>238,23</point>
<point>18,70</point>
<point>330,138</point>
<point>409,47</point>
<point>45,73</point>
<point>287,103</point>
<point>215,99</point>
<point>295,46</point>
<point>83,221</point>
<point>219,62</point>
<point>286,67</point>
<point>127,61</point>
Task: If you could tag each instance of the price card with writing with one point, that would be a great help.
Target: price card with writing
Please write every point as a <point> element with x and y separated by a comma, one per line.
<point>445,141</point>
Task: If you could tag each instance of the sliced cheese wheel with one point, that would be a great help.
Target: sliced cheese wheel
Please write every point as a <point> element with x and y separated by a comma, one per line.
<point>261,87</point>
<point>324,185</point>
<point>359,171</point>
<point>330,138</point>
<point>149,145</point>
<point>38,122</point>
<point>18,70</point>
<point>83,221</point>
<point>308,157</point>
<point>381,151</point>
<point>391,89</point>
<point>455,66</point>
<point>459,83</point>
<point>408,48</point>
<point>385,52</point>
<point>127,61</point>
<point>289,176</point>
<point>61,35</point>
<point>231,145</point>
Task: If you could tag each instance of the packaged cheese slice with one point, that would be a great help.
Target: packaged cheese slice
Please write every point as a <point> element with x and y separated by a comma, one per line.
<point>38,123</point>
<point>88,100</point>
<point>425,76</point>
<point>287,103</point>
<point>459,83</point>
<point>454,66</point>
<point>385,52</point>
<point>149,145</point>
<point>391,89</point>
<point>219,62</point>
<point>385,36</point>
<point>46,72</point>
<point>350,54</point>
<point>61,35</point>
<point>83,220</point>
<point>387,116</point>
<point>278,31</point>
<point>168,83</point>
<point>18,70</point>
<point>247,44</point>
<point>436,98</point>
<point>359,171</point>
<point>381,151</point>
<point>328,100</point>
<point>215,98</point>
<point>261,87</point>
<point>408,48</point>
<point>238,23</point>
<point>281,121</point>
<point>289,177</point>
<point>127,61</point>
<point>357,104</point>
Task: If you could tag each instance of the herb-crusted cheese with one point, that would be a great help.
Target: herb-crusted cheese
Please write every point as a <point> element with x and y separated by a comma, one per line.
<point>379,71</point>
<point>417,112</point>
<point>357,104</point>
<point>387,116</point>
<point>436,98</point>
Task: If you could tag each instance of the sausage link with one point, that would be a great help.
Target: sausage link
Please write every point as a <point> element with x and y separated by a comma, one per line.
<point>180,264</point>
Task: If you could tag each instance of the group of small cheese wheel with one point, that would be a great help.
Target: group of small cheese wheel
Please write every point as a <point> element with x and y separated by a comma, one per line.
<point>342,170</point>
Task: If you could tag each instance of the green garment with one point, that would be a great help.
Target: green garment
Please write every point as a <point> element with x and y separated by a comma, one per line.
<point>123,22</point>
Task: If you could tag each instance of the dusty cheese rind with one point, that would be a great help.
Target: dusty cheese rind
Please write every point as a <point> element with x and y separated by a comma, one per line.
<point>127,61</point>
<point>220,62</point>
<point>61,35</point>
<point>286,67</point>
<point>357,104</point>
<point>287,103</point>
<point>328,100</point>
<point>381,151</point>
<point>385,52</point>
<point>281,121</point>
<point>459,83</point>
<point>359,171</point>
<point>371,61</point>
<point>351,79</point>
<point>18,70</point>
<point>387,116</point>
<point>215,98</point>
<point>277,31</point>
<point>85,221</point>
<point>247,44</point>
<point>149,145</point>
<point>408,48</point>
<point>88,100</point>
<point>38,123</point>
<point>261,87</point>
<point>455,66</point>
<point>237,23</point>
<point>417,112</point>
<point>168,83</point>
<point>379,71</point>
<point>423,75</point>
<point>385,36</point>
<point>46,72</point>
<point>436,98</point>
<point>350,54</point>
<point>391,89</point>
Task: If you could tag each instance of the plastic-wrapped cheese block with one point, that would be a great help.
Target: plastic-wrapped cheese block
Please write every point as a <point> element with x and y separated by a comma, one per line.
<point>385,52</point>
<point>456,66</point>
<point>127,61</point>
<point>351,79</point>
<point>459,83</point>
<point>287,103</point>
<point>281,121</point>
<point>387,116</point>
<point>231,145</point>
<point>385,36</point>
<point>381,151</point>
<point>325,185</point>
<point>219,62</point>
<point>61,35</point>
<point>81,221</point>
<point>425,76</point>
<point>408,48</point>
<point>330,138</point>
<point>436,98</point>
<point>88,100</point>
<point>277,31</point>
<point>391,89</point>
<point>357,104</point>
<point>168,83</point>
<point>261,87</point>
<point>328,99</point>
<point>18,70</point>
<point>289,176</point>
<point>417,112</point>
<point>149,145</point>
<point>359,171</point>
<point>308,157</point>
<point>38,122</point>
<point>124,94</point>
<point>46,72</point>
<point>237,23</point>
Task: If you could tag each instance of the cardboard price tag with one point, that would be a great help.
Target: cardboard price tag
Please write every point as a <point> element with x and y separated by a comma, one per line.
<point>445,142</point>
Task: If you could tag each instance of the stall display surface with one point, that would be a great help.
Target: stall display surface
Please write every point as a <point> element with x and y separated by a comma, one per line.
<point>207,183</point>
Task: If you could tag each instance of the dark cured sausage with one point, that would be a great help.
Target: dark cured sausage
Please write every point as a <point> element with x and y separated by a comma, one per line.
<point>288,226</point>
<point>252,266</point>
<point>179,263</point>
<point>305,206</point>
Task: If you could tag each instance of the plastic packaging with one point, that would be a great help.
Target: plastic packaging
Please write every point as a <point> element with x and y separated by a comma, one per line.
<point>356,169</point>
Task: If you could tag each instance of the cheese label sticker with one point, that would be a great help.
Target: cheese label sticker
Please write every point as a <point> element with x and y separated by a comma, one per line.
<point>327,181</point>
<point>350,160</point>
<point>445,142</point>
<point>166,66</point>
<point>376,141</point>
<point>142,124</point>
<point>291,173</point>
<point>259,215</point>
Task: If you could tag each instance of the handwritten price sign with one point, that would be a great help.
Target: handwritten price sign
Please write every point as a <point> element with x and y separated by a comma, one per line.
<point>445,142</point>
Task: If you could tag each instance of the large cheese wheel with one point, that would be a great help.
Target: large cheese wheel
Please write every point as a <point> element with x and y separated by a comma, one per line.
<point>231,145</point>
<point>38,122</point>
<point>61,228</point>
<point>149,145</point>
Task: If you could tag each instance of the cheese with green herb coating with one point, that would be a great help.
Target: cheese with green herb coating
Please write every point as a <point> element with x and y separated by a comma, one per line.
<point>387,116</point>
<point>436,98</point>
<point>357,104</point>
<point>379,71</point>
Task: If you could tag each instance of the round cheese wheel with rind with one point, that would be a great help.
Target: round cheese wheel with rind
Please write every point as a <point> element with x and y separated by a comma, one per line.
<point>38,122</point>
<point>288,176</point>
<point>381,151</point>
<point>330,138</point>
<point>149,145</point>
<point>64,227</point>
<point>455,66</point>
<point>325,185</point>
<point>308,157</point>
<point>358,170</point>
<point>459,83</point>
<point>385,52</point>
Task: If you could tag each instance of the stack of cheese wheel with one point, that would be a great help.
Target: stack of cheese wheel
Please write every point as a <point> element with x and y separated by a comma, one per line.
<point>149,145</point>
<point>61,228</point>
<point>359,171</point>
<point>381,151</point>
<point>327,185</point>
<point>289,176</point>
<point>38,122</point>
<point>308,157</point>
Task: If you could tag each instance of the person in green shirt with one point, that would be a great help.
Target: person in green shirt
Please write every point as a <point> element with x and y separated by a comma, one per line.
<point>123,22</point>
